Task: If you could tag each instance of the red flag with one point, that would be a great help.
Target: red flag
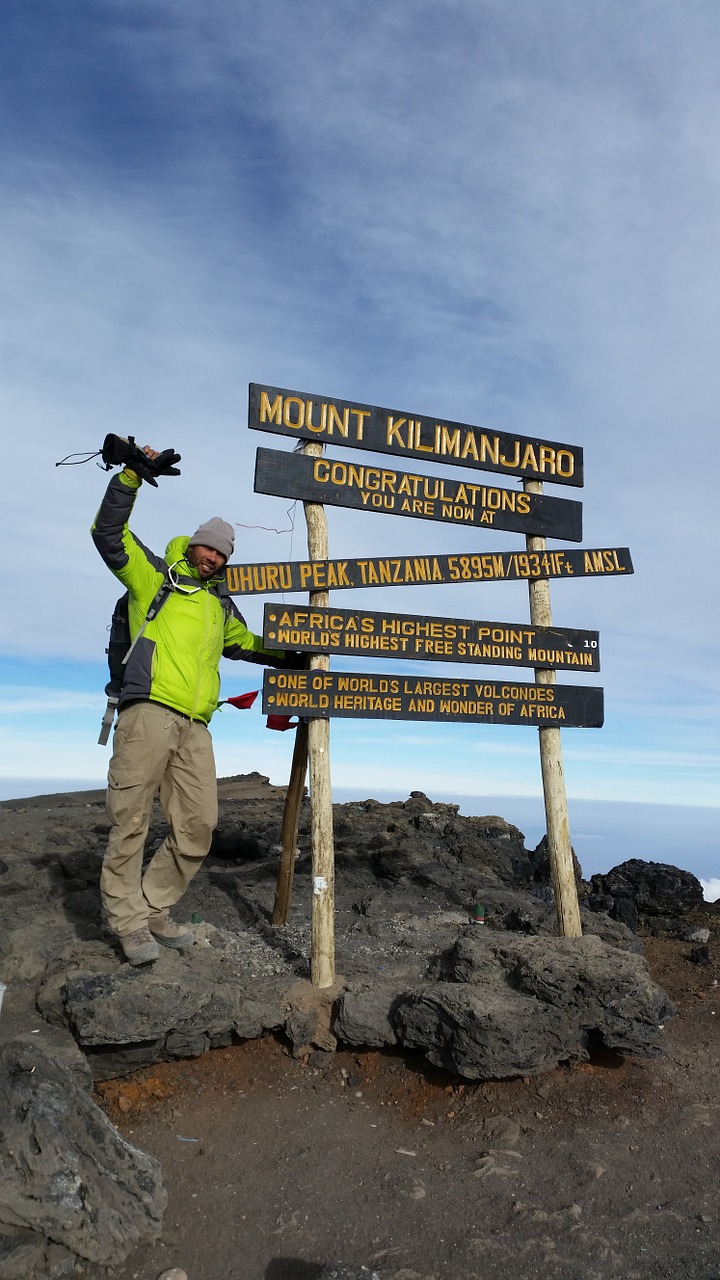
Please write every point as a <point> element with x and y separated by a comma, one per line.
<point>281,723</point>
<point>243,701</point>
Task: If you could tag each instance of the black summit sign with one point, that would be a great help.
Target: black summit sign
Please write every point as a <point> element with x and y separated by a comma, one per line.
<point>360,426</point>
<point>381,696</point>
<point>423,497</point>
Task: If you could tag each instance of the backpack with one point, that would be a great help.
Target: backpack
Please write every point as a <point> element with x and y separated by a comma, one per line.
<point>120,647</point>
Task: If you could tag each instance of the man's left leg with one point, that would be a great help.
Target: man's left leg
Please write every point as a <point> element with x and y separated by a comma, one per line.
<point>188,794</point>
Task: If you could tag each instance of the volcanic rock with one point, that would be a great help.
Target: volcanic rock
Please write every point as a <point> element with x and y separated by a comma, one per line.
<point>656,888</point>
<point>66,1175</point>
<point>408,876</point>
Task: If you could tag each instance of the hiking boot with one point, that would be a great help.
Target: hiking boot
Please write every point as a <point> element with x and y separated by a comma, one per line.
<point>165,930</point>
<point>140,947</point>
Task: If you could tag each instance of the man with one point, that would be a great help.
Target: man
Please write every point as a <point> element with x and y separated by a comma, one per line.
<point>169,694</point>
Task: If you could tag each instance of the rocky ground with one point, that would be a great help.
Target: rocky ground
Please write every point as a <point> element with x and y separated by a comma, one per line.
<point>473,1099</point>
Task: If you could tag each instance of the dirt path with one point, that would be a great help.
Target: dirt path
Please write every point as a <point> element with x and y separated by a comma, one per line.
<point>275,1167</point>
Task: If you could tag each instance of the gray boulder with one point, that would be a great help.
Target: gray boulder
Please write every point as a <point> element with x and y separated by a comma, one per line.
<point>178,1007</point>
<point>364,1015</point>
<point>417,838</point>
<point>509,1006</point>
<point>540,867</point>
<point>484,1034</point>
<point>66,1175</point>
<point>24,1255</point>
<point>657,888</point>
<point>608,994</point>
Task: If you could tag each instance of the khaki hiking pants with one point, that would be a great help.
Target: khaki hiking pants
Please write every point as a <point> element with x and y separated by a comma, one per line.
<point>154,749</point>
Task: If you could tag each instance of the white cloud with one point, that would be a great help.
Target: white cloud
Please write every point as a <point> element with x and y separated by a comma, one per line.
<point>34,700</point>
<point>503,214</point>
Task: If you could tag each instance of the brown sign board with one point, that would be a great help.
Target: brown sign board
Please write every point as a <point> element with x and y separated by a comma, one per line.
<point>360,426</point>
<point>402,571</point>
<point>423,497</point>
<point>402,635</point>
<point>375,696</point>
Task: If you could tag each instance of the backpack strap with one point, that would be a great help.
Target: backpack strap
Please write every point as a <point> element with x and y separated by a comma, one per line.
<point>161,595</point>
<point>107,720</point>
<point>230,609</point>
<point>156,604</point>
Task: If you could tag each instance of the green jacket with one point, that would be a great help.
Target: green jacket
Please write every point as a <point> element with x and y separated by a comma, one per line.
<point>176,660</point>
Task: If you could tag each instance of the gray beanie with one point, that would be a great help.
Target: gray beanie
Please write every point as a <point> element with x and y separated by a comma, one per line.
<point>215,533</point>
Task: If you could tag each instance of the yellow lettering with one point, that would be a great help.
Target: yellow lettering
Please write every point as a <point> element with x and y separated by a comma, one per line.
<point>547,459</point>
<point>287,417</point>
<point>449,441</point>
<point>308,417</point>
<point>528,458</point>
<point>335,420</point>
<point>270,412</point>
<point>360,414</point>
<point>421,448</point>
<point>470,448</point>
<point>392,434</point>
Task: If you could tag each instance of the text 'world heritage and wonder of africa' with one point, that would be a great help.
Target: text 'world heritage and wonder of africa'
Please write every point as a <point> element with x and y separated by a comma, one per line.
<point>407,697</point>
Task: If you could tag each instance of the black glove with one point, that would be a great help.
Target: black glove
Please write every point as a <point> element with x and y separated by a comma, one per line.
<point>296,661</point>
<point>285,658</point>
<point>117,452</point>
<point>164,465</point>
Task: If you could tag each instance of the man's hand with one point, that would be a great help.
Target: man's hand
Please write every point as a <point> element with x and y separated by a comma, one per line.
<point>158,464</point>
<point>295,661</point>
<point>164,463</point>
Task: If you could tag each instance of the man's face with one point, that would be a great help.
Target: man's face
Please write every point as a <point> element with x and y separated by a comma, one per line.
<point>206,560</point>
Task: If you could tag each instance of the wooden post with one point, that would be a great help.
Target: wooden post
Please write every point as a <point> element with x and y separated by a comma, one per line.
<point>567,906</point>
<point>290,823</point>
<point>323,859</point>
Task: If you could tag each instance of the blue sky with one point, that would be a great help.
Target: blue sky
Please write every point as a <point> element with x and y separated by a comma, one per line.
<point>499,214</point>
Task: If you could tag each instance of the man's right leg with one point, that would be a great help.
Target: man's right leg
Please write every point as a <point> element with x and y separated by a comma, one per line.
<point>141,750</point>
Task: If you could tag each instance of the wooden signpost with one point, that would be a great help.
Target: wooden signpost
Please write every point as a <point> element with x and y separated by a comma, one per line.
<point>567,907</point>
<point>312,744</point>
<point>318,694</point>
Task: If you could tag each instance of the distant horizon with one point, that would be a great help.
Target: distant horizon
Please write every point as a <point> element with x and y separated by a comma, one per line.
<point>604,833</point>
